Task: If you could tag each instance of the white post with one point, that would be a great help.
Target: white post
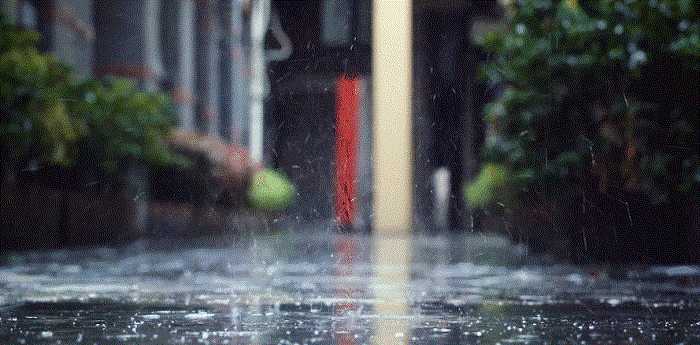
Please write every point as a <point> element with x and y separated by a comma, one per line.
<point>392,132</point>
<point>260,18</point>
<point>392,147</point>
<point>441,197</point>
<point>239,79</point>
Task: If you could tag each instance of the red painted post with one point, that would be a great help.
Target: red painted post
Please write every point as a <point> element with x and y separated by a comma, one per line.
<point>346,146</point>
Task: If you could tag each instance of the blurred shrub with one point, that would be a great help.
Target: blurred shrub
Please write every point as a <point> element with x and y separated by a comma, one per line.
<point>49,117</point>
<point>599,97</point>
<point>123,124</point>
<point>489,186</point>
<point>34,121</point>
<point>270,190</point>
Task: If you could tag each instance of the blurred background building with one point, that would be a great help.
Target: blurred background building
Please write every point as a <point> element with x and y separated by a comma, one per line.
<point>191,49</point>
<point>298,96</point>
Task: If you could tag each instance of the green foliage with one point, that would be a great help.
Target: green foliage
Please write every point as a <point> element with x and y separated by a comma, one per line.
<point>34,121</point>
<point>270,190</point>
<point>48,116</point>
<point>124,124</point>
<point>489,187</point>
<point>599,97</point>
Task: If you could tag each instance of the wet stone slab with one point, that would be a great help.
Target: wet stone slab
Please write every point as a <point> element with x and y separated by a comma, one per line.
<point>299,288</point>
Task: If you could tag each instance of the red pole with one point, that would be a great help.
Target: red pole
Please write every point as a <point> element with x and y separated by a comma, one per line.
<point>346,144</point>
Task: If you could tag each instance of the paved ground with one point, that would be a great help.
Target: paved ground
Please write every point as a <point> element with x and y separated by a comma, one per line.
<point>325,289</point>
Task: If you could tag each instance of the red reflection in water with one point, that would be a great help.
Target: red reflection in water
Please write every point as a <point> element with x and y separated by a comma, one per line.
<point>345,252</point>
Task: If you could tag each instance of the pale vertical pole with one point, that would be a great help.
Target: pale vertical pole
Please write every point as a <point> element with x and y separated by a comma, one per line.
<point>259,21</point>
<point>392,139</point>
<point>239,65</point>
<point>392,166</point>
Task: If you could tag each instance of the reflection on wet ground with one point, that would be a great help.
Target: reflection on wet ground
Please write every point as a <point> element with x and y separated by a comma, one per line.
<point>327,289</point>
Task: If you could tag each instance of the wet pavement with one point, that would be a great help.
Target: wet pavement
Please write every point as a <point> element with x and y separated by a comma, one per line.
<point>321,288</point>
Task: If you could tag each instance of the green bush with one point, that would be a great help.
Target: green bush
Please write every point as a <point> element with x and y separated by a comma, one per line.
<point>489,187</point>
<point>49,117</point>
<point>123,124</point>
<point>34,121</point>
<point>270,190</point>
<point>598,97</point>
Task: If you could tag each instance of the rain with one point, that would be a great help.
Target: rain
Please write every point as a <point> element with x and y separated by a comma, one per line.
<point>349,172</point>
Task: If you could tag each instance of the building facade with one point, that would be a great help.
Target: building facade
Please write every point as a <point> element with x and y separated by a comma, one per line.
<point>193,50</point>
<point>201,53</point>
